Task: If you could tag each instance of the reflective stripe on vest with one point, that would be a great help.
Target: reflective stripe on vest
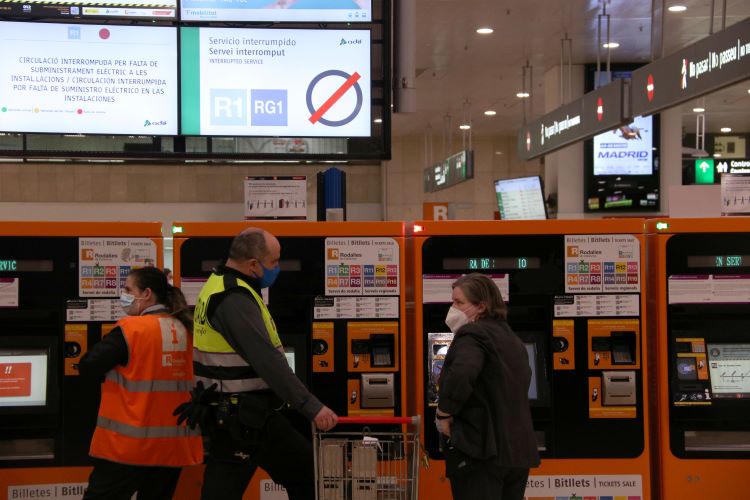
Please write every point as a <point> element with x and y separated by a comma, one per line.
<point>146,432</point>
<point>149,385</point>
<point>214,360</point>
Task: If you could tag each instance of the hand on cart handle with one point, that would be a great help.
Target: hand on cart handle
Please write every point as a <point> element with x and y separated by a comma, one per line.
<point>326,419</point>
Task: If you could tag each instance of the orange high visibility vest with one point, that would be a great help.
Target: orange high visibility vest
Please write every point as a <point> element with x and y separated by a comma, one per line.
<point>135,424</point>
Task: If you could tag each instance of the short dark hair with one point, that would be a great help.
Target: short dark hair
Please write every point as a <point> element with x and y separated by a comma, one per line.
<point>479,288</point>
<point>249,244</point>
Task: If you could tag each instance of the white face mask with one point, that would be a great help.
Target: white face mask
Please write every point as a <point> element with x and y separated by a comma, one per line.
<point>456,319</point>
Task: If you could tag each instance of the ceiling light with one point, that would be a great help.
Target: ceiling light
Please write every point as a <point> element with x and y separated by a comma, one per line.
<point>610,45</point>
<point>378,120</point>
<point>464,127</point>
<point>490,112</point>
<point>677,8</point>
<point>726,130</point>
<point>485,31</point>
<point>699,110</point>
<point>717,155</point>
<point>522,95</point>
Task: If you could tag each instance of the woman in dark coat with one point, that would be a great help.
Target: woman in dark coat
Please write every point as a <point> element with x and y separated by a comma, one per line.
<point>483,408</point>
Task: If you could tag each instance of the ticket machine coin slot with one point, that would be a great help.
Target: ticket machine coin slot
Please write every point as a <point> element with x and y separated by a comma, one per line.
<point>601,344</point>
<point>381,346</point>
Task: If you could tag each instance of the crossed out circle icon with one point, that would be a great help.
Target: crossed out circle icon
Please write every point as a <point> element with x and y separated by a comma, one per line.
<point>316,115</point>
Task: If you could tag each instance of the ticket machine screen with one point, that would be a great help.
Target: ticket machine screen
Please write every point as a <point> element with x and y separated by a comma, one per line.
<point>729,369</point>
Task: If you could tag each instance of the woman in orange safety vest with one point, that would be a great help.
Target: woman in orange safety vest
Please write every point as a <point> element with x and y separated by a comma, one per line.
<point>146,363</point>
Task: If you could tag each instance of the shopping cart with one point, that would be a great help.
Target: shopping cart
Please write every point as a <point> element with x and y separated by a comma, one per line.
<point>368,465</point>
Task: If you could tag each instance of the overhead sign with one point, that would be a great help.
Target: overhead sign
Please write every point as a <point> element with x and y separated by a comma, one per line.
<point>708,65</point>
<point>595,112</point>
<point>704,171</point>
<point>449,172</point>
<point>736,166</point>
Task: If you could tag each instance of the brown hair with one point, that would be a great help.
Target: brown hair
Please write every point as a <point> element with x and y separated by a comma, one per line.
<point>479,288</point>
<point>167,295</point>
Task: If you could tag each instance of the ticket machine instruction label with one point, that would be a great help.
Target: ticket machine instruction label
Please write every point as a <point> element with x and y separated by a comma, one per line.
<point>598,263</point>
<point>104,263</point>
<point>585,487</point>
<point>362,266</point>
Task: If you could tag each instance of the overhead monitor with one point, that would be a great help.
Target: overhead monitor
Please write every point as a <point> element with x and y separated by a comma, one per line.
<point>729,370</point>
<point>88,79</point>
<point>90,9</point>
<point>627,150</point>
<point>275,82</point>
<point>308,11</point>
<point>521,198</point>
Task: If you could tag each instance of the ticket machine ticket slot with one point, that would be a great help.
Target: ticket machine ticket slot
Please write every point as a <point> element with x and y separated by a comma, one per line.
<point>377,390</point>
<point>618,388</point>
<point>623,348</point>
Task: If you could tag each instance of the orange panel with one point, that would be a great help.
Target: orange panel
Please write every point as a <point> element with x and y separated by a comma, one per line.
<point>433,484</point>
<point>292,228</point>
<point>683,479</point>
<point>112,229</point>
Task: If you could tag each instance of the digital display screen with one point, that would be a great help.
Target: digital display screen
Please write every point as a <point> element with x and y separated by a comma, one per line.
<point>729,370</point>
<point>521,198</point>
<point>480,263</point>
<point>627,150</point>
<point>534,384</point>
<point>23,377</point>
<point>687,369</point>
<point>82,9</point>
<point>314,11</point>
<point>88,79</point>
<point>718,261</point>
<point>275,82</point>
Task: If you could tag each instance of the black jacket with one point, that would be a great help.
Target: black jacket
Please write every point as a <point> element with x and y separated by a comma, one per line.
<point>484,385</point>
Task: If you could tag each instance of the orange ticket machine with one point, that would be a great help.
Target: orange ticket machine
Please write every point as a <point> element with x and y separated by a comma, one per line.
<point>338,304</point>
<point>576,297</point>
<point>700,272</point>
<point>59,289</point>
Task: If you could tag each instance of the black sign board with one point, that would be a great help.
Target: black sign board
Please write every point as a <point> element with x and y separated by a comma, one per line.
<point>595,112</point>
<point>449,172</point>
<point>708,65</point>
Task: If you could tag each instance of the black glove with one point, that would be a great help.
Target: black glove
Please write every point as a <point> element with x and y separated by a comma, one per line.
<point>197,411</point>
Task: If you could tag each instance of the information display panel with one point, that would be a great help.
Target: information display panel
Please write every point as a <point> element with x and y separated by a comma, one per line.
<point>521,198</point>
<point>626,150</point>
<point>88,79</point>
<point>317,11</point>
<point>275,82</point>
<point>729,368</point>
<point>96,9</point>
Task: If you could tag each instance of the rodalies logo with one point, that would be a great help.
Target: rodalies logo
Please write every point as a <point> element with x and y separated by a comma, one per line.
<point>158,123</point>
<point>357,41</point>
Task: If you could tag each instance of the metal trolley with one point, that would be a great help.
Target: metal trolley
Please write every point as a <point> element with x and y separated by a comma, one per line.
<point>368,465</point>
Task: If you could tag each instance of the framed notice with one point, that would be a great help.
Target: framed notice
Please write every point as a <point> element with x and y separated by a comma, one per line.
<point>276,197</point>
<point>735,194</point>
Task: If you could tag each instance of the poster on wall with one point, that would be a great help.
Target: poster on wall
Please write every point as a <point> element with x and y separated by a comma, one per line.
<point>274,197</point>
<point>735,194</point>
<point>602,263</point>
<point>362,266</point>
<point>104,263</point>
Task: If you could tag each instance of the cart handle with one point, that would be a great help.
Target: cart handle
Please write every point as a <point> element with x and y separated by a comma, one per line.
<point>415,420</point>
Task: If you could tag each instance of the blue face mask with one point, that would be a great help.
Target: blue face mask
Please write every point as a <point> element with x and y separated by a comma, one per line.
<point>269,276</point>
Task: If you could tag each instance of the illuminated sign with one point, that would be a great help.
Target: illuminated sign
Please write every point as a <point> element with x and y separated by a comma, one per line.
<point>595,112</point>
<point>704,171</point>
<point>449,172</point>
<point>716,61</point>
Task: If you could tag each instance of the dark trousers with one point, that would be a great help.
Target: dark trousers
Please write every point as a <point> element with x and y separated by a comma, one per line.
<point>277,447</point>
<point>113,481</point>
<point>486,481</point>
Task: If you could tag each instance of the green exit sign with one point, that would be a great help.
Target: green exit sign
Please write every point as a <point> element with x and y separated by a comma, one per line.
<point>704,171</point>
